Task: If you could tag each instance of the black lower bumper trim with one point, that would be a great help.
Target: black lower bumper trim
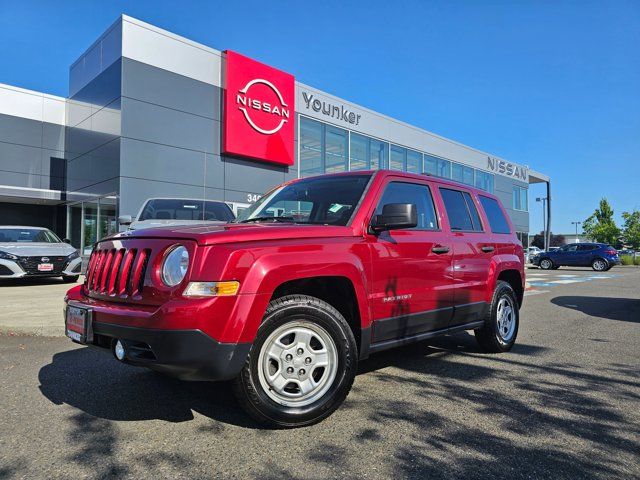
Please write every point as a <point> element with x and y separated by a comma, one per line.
<point>186,354</point>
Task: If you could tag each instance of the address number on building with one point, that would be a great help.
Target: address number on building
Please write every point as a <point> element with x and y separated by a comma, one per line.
<point>253,197</point>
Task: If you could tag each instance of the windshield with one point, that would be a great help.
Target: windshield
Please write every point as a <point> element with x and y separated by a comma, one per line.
<point>180,209</point>
<point>315,200</point>
<point>27,235</point>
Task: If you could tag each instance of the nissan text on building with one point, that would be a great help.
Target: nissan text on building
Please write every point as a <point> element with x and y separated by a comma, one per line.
<point>153,114</point>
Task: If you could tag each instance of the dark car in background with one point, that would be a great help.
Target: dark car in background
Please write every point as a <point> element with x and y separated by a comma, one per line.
<point>599,256</point>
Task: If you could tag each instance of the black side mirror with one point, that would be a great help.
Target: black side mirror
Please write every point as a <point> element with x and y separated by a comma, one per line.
<point>66,240</point>
<point>395,216</point>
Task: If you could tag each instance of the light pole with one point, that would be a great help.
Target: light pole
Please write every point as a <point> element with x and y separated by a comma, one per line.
<point>544,219</point>
<point>576,224</point>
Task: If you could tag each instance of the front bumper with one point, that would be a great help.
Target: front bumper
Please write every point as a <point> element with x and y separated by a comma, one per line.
<point>186,353</point>
<point>13,269</point>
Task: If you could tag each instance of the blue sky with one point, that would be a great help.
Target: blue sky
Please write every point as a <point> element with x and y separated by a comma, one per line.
<point>551,84</point>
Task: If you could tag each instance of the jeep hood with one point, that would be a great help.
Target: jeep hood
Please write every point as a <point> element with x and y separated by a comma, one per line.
<point>239,232</point>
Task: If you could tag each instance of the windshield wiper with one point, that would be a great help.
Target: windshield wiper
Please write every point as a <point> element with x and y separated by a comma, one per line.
<point>267,218</point>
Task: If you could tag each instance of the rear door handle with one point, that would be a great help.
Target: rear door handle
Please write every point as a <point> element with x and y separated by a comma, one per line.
<point>439,250</point>
<point>487,249</point>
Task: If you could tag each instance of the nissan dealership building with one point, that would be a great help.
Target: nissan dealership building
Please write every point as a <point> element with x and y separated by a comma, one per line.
<point>153,114</point>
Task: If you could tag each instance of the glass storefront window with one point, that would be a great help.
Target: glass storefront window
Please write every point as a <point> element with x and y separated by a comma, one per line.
<point>336,148</point>
<point>379,154</point>
<point>443,168</point>
<point>484,181</point>
<point>414,161</point>
<point>430,165</point>
<point>358,151</point>
<point>311,140</point>
<point>520,199</point>
<point>398,158</point>
<point>462,174</point>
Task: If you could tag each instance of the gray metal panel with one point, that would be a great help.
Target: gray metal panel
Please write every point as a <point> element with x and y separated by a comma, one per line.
<point>154,46</point>
<point>20,159</point>
<point>52,136</point>
<point>153,161</point>
<point>251,176</point>
<point>167,89</point>
<point>99,165</point>
<point>21,131</point>
<point>53,168</point>
<point>153,123</point>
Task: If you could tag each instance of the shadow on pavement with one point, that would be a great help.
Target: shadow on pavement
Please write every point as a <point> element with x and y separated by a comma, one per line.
<point>621,309</point>
<point>467,414</point>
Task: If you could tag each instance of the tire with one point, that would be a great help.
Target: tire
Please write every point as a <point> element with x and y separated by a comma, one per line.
<point>70,278</point>
<point>307,323</point>
<point>599,265</point>
<point>491,336</point>
<point>546,264</point>
<point>555,267</point>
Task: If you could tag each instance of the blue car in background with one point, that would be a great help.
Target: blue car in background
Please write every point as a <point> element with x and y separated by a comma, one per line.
<point>599,256</point>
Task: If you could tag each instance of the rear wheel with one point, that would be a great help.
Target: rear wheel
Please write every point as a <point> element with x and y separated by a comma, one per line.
<point>501,322</point>
<point>599,265</point>
<point>546,264</point>
<point>301,365</point>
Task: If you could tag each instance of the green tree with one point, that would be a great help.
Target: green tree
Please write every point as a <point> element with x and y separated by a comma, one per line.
<point>631,229</point>
<point>600,226</point>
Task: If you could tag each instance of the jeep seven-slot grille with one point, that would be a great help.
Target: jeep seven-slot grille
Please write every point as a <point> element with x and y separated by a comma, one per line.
<point>117,271</point>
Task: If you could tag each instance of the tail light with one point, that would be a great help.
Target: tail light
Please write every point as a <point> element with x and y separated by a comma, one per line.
<point>611,251</point>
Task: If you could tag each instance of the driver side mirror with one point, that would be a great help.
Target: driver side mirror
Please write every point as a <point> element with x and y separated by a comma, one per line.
<point>125,220</point>
<point>66,240</point>
<point>395,216</point>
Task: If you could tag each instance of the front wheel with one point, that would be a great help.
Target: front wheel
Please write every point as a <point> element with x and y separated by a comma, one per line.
<point>599,265</point>
<point>301,365</point>
<point>546,264</point>
<point>501,322</point>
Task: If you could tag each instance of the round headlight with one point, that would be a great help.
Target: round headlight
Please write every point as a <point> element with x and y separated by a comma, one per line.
<point>175,265</point>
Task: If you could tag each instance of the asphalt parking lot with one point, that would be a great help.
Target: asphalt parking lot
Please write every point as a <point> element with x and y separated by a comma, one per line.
<point>564,403</point>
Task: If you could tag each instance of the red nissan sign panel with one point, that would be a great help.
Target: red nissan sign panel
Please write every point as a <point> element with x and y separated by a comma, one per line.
<point>258,111</point>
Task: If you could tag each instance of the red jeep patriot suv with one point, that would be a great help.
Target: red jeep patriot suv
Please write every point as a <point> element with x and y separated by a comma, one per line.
<point>317,275</point>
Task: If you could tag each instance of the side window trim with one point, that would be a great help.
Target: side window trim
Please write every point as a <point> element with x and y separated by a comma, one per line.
<point>469,197</point>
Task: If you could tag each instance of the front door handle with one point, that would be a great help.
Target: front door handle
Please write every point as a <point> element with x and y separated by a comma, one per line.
<point>487,249</point>
<point>439,249</point>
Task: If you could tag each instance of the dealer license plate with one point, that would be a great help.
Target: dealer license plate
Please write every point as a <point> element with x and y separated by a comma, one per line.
<point>45,267</point>
<point>78,323</point>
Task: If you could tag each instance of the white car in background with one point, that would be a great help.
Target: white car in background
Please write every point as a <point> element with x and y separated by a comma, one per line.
<point>162,212</point>
<point>36,252</point>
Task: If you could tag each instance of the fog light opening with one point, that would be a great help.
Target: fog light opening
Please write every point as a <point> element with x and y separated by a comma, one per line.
<point>118,351</point>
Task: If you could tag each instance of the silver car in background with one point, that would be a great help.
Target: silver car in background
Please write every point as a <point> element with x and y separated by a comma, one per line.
<point>36,252</point>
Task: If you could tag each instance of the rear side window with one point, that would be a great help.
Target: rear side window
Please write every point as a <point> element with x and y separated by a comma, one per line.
<point>587,248</point>
<point>497,220</point>
<point>419,195</point>
<point>461,211</point>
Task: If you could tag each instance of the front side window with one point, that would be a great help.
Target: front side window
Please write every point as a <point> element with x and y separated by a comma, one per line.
<point>419,195</point>
<point>460,211</point>
<point>27,235</point>
<point>315,200</point>
<point>497,220</point>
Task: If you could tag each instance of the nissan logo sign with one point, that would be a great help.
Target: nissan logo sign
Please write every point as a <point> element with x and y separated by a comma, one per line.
<point>246,103</point>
